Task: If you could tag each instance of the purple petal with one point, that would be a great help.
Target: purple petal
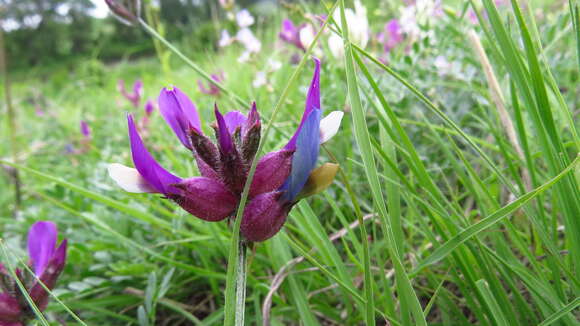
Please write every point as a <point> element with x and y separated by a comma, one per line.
<point>38,294</point>
<point>149,107</point>
<point>42,238</point>
<point>288,32</point>
<point>253,118</point>
<point>271,172</point>
<point>179,113</point>
<point>234,119</point>
<point>151,171</point>
<point>263,217</point>
<point>85,129</point>
<point>206,198</point>
<point>304,159</point>
<point>312,103</point>
<point>138,88</point>
<point>224,136</point>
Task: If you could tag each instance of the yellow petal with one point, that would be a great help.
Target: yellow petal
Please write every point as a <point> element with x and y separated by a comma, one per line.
<point>319,179</point>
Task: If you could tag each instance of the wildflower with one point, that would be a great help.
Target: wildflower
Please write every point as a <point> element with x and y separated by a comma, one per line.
<point>244,18</point>
<point>212,89</point>
<point>281,178</point>
<point>391,35</point>
<point>149,108</point>
<point>133,97</point>
<point>227,4</point>
<point>291,33</point>
<point>358,29</point>
<point>261,77</point>
<point>47,262</point>
<point>85,129</point>
<point>86,134</point>
<point>244,36</point>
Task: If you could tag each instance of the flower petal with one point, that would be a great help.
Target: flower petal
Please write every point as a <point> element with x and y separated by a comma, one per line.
<point>263,217</point>
<point>319,179</point>
<point>304,159</point>
<point>42,238</point>
<point>224,137</point>
<point>129,179</point>
<point>179,113</point>
<point>55,266</point>
<point>312,103</point>
<point>206,198</point>
<point>234,119</point>
<point>271,172</point>
<point>329,125</point>
<point>159,178</point>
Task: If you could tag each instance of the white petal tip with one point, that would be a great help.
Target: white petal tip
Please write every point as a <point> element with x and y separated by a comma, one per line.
<point>129,179</point>
<point>329,125</point>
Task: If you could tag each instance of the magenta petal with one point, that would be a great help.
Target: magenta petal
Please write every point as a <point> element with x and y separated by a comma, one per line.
<point>206,198</point>
<point>288,31</point>
<point>179,113</point>
<point>263,217</point>
<point>42,238</point>
<point>234,119</point>
<point>312,102</point>
<point>224,136</point>
<point>151,171</point>
<point>85,129</point>
<point>271,172</point>
<point>253,118</point>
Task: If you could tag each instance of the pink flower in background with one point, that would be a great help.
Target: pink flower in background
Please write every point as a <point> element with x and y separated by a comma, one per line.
<point>212,89</point>
<point>149,108</point>
<point>85,129</point>
<point>290,33</point>
<point>391,36</point>
<point>135,96</point>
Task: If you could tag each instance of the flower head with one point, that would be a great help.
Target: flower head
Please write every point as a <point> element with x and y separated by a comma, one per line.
<point>135,96</point>
<point>279,179</point>
<point>391,35</point>
<point>85,129</point>
<point>291,33</point>
<point>47,261</point>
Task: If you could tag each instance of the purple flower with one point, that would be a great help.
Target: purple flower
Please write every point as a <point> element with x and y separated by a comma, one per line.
<point>291,33</point>
<point>85,129</point>
<point>149,108</point>
<point>135,96</point>
<point>392,35</point>
<point>224,164</point>
<point>212,88</point>
<point>47,262</point>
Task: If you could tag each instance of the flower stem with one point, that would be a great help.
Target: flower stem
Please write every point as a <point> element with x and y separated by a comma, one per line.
<point>241,276</point>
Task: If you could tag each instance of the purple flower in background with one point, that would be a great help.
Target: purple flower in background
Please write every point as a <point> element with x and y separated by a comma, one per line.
<point>135,96</point>
<point>291,34</point>
<point>85,129</point>
<point>47,262</point>
<point>212,89</point>
<point>391,35</point>
<point>281,179</point>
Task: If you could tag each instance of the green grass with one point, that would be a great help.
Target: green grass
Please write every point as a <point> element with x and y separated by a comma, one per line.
<point>447,229</point>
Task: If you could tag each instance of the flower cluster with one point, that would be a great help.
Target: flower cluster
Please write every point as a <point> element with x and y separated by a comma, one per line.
<point>281,178</point>
<point>47,261</point>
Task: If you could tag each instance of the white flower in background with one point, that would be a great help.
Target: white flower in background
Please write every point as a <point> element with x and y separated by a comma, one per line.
<point>248,40</point>
<point>225,39</point>
<point>274,64</point>
<point>260,79</point>
<point>358,29</point>
<point>418,14</point>
<point>244,18</point>
<point>306,35</point>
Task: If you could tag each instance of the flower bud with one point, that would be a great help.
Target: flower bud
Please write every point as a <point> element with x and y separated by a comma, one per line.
<point>9,309</point>
<point>127,12</point>
<point>204,149</point>
<point>263,217</point>
<point>205,198</point>
<point>49,276</point>
<point>271,172</point>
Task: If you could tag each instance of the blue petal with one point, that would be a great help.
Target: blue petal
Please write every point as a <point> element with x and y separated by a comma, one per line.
<point>304,159</point>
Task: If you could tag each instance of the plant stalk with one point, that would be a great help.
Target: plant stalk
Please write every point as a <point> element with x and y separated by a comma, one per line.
<point>241,276</point>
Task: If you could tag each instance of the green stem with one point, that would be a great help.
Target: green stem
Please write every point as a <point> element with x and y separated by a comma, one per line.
<point>241,276</point>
